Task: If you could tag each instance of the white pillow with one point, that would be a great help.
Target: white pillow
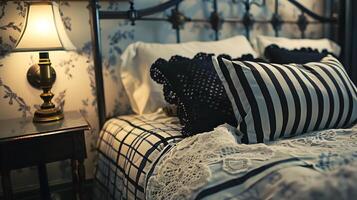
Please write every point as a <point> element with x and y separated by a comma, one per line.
<point>290,44</point>
<point>144,94</point>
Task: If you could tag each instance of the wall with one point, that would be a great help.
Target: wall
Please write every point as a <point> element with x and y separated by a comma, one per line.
<point>75,85</point>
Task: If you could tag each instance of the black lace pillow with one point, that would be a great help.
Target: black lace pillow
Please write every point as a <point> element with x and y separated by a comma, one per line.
<point>194,87</point>
<point>280,55</point>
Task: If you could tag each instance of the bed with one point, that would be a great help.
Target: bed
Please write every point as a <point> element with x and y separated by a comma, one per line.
<point>132,148</point>
<point>290,137</point>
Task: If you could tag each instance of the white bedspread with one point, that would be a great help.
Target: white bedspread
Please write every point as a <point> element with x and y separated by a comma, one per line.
<point>319,165</point>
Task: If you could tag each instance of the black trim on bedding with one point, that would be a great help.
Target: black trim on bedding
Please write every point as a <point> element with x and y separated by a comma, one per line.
<point>242,179</point>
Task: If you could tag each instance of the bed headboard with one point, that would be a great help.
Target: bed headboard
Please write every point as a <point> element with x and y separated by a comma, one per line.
<point>334,11</point>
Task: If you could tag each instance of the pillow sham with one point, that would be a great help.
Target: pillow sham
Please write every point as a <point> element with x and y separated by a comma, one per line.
<point>278,55</point>
<point>144,94</point>
<point>317,44</point>
<point>271,101</point>
<point>194,87</point>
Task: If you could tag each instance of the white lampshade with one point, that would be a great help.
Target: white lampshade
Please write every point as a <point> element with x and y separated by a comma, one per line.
<point>44,29</point>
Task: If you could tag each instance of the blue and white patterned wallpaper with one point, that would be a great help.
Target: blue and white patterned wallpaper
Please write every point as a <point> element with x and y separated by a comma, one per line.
<point>74,88</point>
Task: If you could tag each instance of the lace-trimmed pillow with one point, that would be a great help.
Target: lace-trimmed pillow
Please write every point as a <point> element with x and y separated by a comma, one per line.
<point>271,101</point>
<point>194,87</point>
<point>319,44</point>
<point>303,55</point>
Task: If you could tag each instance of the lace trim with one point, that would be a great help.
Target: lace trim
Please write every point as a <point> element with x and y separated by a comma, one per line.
<point>186,167</point>
<point>195,88</point>
<point>282,55</point>
<point>296,50</point>
<point>320,141</point>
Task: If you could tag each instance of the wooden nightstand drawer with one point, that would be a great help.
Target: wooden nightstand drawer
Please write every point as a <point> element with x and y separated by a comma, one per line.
<point>31,151</point>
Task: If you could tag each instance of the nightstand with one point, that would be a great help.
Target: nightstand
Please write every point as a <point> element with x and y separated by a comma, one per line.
<point>24,144</point>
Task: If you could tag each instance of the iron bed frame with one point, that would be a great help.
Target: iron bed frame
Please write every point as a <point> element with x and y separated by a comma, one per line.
<point>178,19</point>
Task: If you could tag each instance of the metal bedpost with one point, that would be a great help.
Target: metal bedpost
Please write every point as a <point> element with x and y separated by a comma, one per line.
<point>97,59</point>
<point>215,10</point>
<point>178,33</point>
<point>328,11</point>
<point>248,19</point>
<point>277,18</point>
<point>302,23</point>
<point>178,36</point>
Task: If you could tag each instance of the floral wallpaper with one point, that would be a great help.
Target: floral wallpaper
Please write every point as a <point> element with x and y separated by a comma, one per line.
<point>74,88</point>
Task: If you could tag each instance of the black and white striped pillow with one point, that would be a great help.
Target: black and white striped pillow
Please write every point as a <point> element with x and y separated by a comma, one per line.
<point>272,100</point>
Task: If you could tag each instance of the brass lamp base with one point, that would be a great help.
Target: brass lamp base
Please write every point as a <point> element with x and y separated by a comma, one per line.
<point>48,111</point>
<point>48,115</point>
<point>34,76</point>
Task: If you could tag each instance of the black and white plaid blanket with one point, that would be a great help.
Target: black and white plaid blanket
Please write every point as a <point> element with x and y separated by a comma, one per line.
<point>126,148</point>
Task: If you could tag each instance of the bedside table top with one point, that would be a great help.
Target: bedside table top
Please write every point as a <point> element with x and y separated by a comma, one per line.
<point>20,128</point>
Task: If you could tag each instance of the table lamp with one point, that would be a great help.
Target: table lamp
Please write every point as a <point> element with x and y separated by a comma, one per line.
<point>44,31</point>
